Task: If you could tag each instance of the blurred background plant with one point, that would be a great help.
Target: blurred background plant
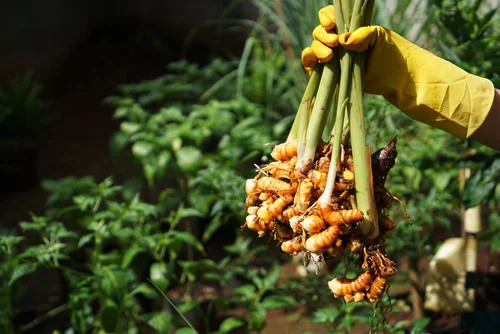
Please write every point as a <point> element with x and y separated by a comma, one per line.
<point>23,110</point>
<point>162,251</point>
<point>24,114</point>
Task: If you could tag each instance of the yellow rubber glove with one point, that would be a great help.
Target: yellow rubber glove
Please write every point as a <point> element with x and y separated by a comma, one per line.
<point>427,88</point>
<point>324,40</point>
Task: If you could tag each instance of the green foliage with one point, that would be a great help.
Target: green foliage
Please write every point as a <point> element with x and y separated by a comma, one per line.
<point>139,266</point>
<point>23,111</point>
<point>469,31</point>
<point>119,251</point>
<point>483,184</point>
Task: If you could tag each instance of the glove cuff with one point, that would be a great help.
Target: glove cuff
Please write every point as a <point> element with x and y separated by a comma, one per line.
<point>483,93</point>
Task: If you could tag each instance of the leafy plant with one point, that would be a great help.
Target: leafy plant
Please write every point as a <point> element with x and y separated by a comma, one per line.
<point>23,110</point>
<point>467,26</point>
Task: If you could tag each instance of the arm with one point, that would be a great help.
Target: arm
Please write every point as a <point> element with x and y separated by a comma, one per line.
<point>426,87</point>
<point>489,132</point>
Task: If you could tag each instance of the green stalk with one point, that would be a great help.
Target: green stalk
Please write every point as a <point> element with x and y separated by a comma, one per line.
<point>343,98</point>
<point>319,114</point>
<point>351,97</point>
<point>360,155</point>
<point>302,118</point>
<point>330,121</point>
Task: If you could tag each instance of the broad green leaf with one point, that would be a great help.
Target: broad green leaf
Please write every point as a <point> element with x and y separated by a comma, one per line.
<point>326,315</point>
<point>186,330</point>
<point>248,291</point>
<point>258,320</point>
<point>187,305</point>
<point>8,242</point>
<point>481,185</point>
<point>276,301</point>
<point>130,254</point>
<point>419,324</point>
<point>189,158</point>
<point>229,324</point>
<point>121,112</point>
<point>84,240</point>
<point>187,212</point>
<point>163,159</point>
<point>141,149</point>
<point>113,282</point>
<point>150,173</point>
<point>145,290</point>
<point>129,127</point>
<point>159,275</point>
<point>37,224</point>
<point>109,316</point>
<point>172,114</point>
<point>22,270</point>
<point>161,322</point>
<point>213,226</point>
<point>117,143</point>
<point>189,239</point>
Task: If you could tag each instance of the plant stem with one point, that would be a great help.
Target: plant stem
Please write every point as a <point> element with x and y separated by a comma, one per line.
<point>319,114</point>
<point>343,98</point>
<point>351,97</point>
<point>302,118</point>
<point>361,157</point>
<point>51,313</point>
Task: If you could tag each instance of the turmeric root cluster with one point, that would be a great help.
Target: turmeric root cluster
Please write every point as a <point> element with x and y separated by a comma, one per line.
<point>370,284</point>
<point>282,201</point>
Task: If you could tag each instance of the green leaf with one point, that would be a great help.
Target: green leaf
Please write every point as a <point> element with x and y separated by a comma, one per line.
<point>189,158</point>
<point>22,270</point>
<point>161,322</point>
<point>150,173</point>
<point>189,239</point>
<point>276,301</point>
<point>8,242</point>
<point>130,254</point>
<point>109,316</point>
<point>247,291</point>
<point>229,324</point>
<point>141,149</point>
<point>117,143</point>
<point>158,275</point>
<point>129,127</point>
<point>187,212</point>
<point>186,330</point>
<point>326,315</point>
<point>84,240</point>
<point>37,224</point>
<point>113,282</point>
<point>145,290</point>
<point>215,224</point>
<point>481,185</point>
<point>419,324</point>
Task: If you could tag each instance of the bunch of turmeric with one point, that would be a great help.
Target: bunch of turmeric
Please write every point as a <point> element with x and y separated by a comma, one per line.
<point>282,201</point>
<point>328,197</point>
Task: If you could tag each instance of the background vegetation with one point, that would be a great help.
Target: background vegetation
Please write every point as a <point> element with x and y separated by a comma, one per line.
<point>162,251</point>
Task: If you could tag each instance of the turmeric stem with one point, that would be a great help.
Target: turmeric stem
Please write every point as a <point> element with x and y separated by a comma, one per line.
<point>319,114</point>
<point>302,118</point>
<point>351,95</point>
<point>362,167</point>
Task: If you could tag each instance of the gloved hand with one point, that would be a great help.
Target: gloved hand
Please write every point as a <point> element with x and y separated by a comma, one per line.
<point>324,40</point>
<point>427,88</point>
